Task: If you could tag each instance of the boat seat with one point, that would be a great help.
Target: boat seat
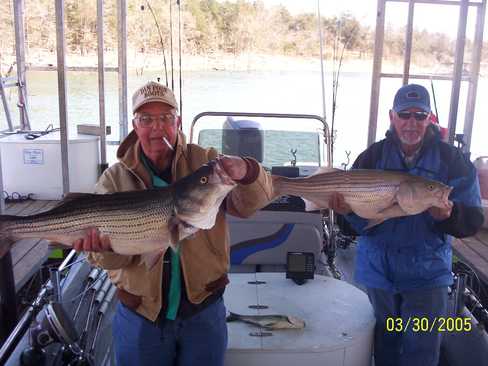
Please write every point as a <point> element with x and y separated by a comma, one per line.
<point>261,242</point>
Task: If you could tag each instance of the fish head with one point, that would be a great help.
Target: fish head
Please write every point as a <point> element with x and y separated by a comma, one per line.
<point>431,193</point>
<point>199,195</point>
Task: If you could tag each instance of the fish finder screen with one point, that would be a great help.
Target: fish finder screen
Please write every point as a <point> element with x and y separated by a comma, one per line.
<point>296,263</point>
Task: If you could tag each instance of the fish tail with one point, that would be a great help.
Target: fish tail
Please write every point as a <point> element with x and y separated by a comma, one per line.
<point>232,317</point>
<point>6,239</point>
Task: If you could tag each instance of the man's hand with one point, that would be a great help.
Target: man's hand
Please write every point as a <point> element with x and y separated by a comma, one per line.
<point>234,166</point>
<point>338,204</point>
<point>440,214</point>
<point>93,242</point>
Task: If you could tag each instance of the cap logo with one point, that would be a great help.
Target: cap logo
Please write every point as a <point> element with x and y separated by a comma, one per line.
<point>153,91</point>
<point>413,95</point>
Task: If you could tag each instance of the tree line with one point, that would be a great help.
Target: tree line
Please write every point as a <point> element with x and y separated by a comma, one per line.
<point>211,26</point>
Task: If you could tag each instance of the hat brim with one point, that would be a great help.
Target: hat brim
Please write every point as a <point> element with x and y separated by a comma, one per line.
<point>151,100</point>
<point>419,105</point>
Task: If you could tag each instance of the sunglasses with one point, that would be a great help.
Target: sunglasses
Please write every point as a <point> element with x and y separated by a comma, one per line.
<point>419,116</point>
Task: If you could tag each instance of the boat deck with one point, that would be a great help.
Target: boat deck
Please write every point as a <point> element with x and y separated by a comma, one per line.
<point>474,251</point>
<point>28,254</point>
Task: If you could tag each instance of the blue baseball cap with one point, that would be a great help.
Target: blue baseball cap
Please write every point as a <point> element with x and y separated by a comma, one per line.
<point>411,96</point>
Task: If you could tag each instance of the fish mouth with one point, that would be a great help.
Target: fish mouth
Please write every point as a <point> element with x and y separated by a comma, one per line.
<point>444,196</point>
<point>222,175</point>
<point>447,192</point>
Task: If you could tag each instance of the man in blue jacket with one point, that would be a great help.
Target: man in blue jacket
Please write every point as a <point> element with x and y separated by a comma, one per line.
<point>405,263</point>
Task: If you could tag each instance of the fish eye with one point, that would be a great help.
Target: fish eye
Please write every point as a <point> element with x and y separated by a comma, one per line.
<point>204,180</point>
<point>431,187</point>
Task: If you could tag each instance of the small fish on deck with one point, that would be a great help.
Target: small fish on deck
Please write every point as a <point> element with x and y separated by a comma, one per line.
<point>137,222</point>
<point>270,322</point>
<point>376,195</point>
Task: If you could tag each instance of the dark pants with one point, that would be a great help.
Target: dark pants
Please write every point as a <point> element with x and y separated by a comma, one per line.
<point>198,340</point>
<point>407,345</point>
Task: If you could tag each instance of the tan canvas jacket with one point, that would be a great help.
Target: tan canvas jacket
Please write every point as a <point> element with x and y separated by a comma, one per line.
<point>205,256</point>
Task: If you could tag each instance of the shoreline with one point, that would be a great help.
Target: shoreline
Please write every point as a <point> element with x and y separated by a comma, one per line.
<point>138,62</point>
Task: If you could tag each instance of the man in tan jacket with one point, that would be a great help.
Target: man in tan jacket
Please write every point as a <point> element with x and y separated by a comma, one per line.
<point>173,313</point>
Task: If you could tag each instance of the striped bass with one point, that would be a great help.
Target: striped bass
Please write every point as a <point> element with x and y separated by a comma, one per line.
<point>136,222</point>
<point>376,195</point>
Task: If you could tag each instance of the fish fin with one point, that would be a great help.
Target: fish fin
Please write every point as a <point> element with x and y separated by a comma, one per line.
<point>324,169</point>
<point>374,222</point>
<point>395,210</point>
<point>71,197</point>
<point>406,199</point>
<point>276,180</point>
<point>314,206</point>
<point>150,259</point>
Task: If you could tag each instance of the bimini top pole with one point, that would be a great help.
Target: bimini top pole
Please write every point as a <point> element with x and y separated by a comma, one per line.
<point>327,132</point>
<point>122,67</point>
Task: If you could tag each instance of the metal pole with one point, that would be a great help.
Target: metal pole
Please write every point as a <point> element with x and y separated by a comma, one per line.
<point>55,281</point>
<point>8,303</point>
<point>2,199</point>
<point>322,76</point>
<point>474,75</point>
<point>408,42</point>
<point>62,96</point>
<point>375,83</point>
<point>458,69</point>
<point>101,87</point>
<point>122,45</point>
<point>5,105</point>
<point>20,59</point>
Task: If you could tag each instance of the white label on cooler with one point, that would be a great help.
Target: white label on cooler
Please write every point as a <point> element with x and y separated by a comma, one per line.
<point>33,156</point>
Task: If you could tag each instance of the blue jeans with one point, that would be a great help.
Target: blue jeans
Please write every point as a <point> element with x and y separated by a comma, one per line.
<point>407,346</point>
<point>199,340</point>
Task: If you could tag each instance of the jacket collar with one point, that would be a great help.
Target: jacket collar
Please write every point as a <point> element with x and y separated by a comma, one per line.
<point>129,154</point>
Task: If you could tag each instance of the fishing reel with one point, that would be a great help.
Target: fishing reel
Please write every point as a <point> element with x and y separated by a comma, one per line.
<point>55,327</point>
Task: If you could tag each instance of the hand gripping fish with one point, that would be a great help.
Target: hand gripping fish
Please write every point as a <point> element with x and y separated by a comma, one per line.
<point>136,222</point>
<point>376,195</point>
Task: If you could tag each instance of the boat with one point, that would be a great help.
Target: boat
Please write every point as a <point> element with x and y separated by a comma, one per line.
<point>284,260</point>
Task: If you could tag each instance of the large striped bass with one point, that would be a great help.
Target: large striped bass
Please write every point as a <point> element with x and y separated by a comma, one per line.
<point>136,222</point>
<point>376,195</point>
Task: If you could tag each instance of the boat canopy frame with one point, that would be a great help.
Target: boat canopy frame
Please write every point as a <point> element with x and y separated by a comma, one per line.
<point>457,73</point>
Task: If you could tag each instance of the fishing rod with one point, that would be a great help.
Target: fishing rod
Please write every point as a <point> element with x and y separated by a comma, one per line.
<point>171,43</point>
<point>433,97</point>
<point>178,2</point>
<point>160,38</point>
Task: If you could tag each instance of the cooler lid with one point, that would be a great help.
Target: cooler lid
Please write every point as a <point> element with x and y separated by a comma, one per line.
<point>337,314</point>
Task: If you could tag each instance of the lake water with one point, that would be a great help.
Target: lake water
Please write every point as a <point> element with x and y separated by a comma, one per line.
<point>283,92</point>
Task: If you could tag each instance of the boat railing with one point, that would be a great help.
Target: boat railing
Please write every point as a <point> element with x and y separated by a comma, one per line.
<point>325,127</point>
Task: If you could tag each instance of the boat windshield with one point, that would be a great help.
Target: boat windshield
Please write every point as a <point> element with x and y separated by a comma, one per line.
<point>270,146</point>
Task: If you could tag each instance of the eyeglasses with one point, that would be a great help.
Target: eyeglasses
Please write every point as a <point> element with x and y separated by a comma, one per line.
<point>147,120</point>
<point>419,116</point>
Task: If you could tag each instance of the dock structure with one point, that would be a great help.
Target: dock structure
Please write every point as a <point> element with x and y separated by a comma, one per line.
<point>474,251</point>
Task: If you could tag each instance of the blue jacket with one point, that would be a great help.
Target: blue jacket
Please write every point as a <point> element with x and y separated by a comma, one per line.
<point>415,251</point>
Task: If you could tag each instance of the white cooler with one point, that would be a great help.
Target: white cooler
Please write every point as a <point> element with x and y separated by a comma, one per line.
<point>339,322</point>
<point>34,166</point>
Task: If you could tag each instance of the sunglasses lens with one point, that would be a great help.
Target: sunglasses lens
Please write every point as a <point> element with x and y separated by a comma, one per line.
<point>404,115</point>
<point>420,116</point>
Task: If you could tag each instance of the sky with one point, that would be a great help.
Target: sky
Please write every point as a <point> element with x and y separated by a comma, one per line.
<point>434,18</point>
